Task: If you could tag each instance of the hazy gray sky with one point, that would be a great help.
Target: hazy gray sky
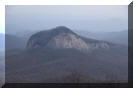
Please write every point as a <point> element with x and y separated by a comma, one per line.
<point>92,18</point>
<point>1,29</point>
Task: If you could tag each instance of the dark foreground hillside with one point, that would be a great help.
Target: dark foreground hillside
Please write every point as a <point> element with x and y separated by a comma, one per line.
<point>50,65</point>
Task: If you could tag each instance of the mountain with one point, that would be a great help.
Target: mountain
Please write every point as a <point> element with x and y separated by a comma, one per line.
<point>120,37</point>
<point>61,56</point>
<point>14,42</point>
<point>62,37</point>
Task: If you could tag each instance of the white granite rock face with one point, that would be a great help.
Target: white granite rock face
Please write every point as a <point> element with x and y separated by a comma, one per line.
<point>65,40</point>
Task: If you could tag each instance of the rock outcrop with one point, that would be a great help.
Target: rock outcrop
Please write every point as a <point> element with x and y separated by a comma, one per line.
<point>62,37</point>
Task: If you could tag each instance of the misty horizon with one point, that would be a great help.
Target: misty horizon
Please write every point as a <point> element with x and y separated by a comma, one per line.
<point>85,18</point>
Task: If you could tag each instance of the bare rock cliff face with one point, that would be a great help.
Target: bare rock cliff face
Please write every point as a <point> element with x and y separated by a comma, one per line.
<point>66,40</point>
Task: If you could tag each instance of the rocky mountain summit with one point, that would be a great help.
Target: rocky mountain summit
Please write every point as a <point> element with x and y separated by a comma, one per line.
<point>63,37</point>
